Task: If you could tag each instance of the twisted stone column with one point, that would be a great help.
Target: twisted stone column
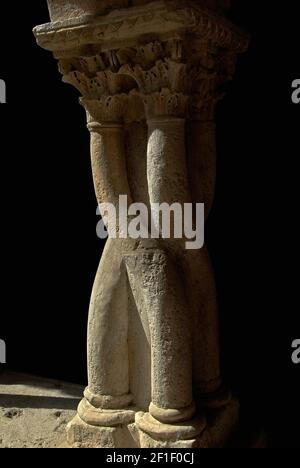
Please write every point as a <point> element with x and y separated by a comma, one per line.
<point>108,364</point>
<point>149,74</point>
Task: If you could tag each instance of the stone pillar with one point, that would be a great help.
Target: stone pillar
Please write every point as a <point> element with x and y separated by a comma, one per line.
<point>150,74</point>
<point>108,369</point>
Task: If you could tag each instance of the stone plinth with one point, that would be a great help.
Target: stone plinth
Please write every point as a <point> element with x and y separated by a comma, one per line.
<point>150,75</point>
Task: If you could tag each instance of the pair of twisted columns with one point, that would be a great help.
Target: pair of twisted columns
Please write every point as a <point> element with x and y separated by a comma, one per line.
<point>153,344</point>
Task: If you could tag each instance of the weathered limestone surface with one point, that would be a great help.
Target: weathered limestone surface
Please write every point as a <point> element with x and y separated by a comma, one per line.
<point>150,75</point>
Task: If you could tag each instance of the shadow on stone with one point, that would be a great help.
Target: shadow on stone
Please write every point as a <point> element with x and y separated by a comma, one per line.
<point>38,402</point>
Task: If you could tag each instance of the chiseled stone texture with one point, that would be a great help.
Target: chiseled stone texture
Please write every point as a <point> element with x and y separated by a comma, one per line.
<point>61,10</point>
<point>82,435</point>
<point>65,10</point>
<point>149,75</point>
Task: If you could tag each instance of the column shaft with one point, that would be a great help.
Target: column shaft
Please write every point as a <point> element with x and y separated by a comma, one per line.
<point>108,316</point>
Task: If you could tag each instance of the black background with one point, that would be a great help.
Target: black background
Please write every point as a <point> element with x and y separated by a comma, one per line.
<point>50,253</point>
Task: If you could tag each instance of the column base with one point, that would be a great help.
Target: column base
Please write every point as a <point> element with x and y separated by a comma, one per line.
<point>83,435</point>
<point>99,417</point>
<point>154,434</point>
<point>128,428</point>
<point>101,428</point>
<point>214,433</point>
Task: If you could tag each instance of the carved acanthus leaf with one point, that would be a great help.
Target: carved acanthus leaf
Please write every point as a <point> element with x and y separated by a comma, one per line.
<point>165,103</point>
<point>117,109</point>
<point>105,109</point>
<point>146,55</point>
<point>102,84</point>
<point>178,77</point>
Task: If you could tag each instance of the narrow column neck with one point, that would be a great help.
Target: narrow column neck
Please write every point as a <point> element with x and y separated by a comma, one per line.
<point>101,127</point>
<point>165,120</point>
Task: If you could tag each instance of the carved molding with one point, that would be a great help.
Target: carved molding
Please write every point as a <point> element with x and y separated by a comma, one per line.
<point>164,70</point>
<point>177,70</point>
<point>163,20</point>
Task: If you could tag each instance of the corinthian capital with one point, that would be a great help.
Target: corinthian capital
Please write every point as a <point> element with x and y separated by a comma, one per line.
<point>105,109</point>
<point>116,108</point>
<point>165,103</point>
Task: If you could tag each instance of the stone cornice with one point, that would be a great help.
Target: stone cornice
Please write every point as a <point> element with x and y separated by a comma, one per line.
<point>160,19</point>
